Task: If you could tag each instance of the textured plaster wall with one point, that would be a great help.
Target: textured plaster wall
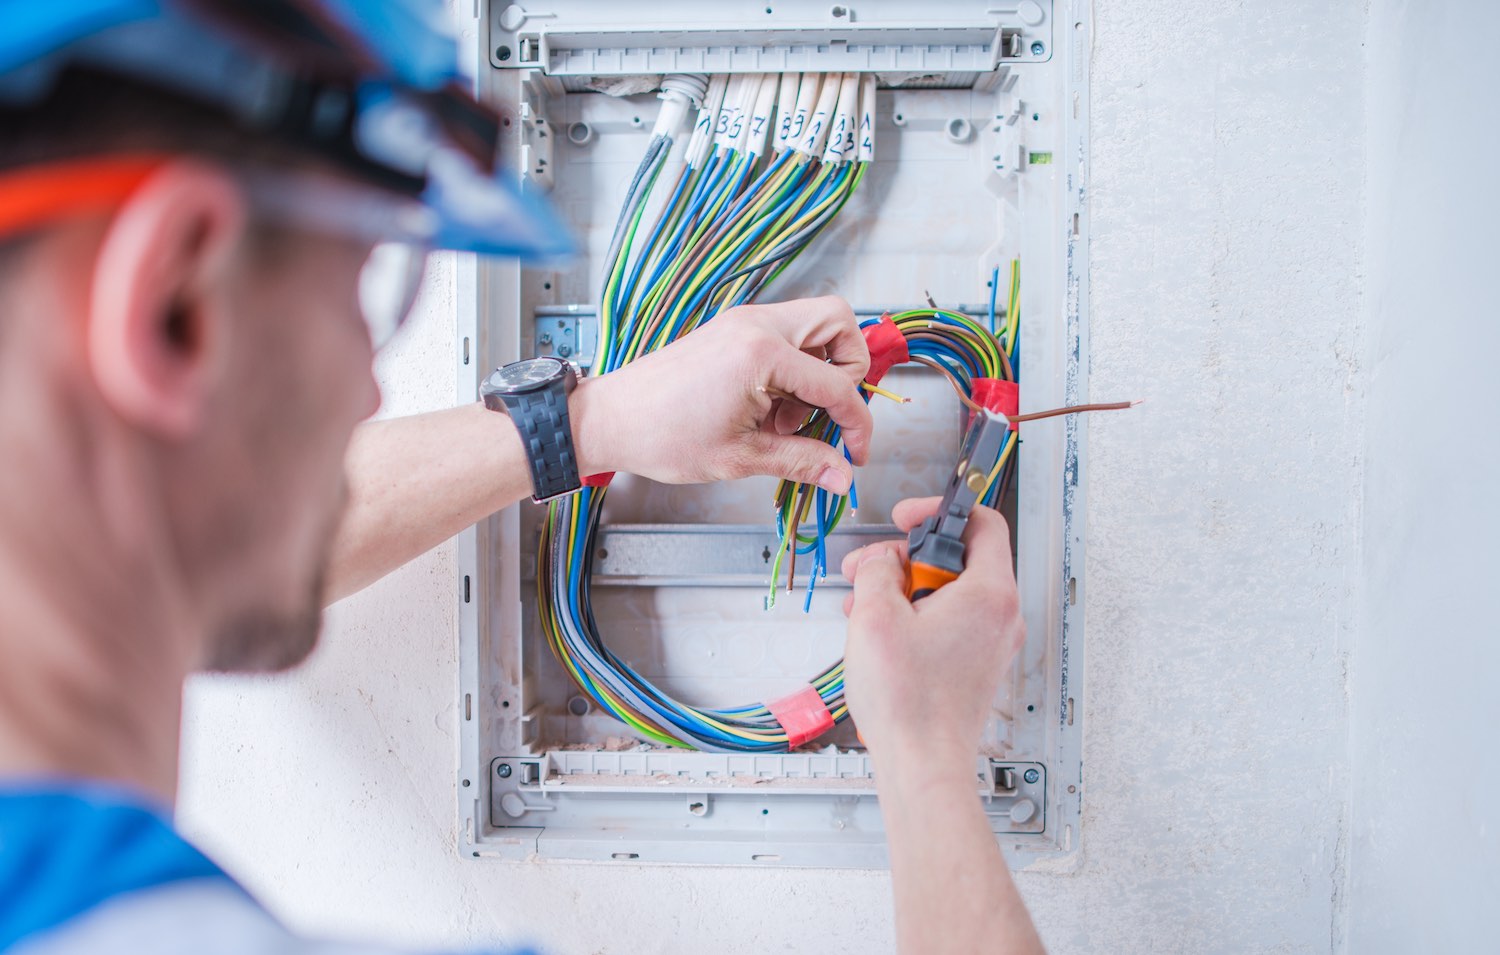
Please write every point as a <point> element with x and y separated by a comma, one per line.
<point>1425,846</point>
<point>1223,557</point>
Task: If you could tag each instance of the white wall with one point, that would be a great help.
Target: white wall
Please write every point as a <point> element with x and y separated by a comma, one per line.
<point>1425,850</point>
<point>1223,569</point>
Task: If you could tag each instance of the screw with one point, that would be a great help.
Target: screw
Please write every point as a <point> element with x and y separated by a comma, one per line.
<point>1038,48</point>
<point>544,340</point>
<point>565,350</point>
<point>1031,775</point>
<point>504,770</point>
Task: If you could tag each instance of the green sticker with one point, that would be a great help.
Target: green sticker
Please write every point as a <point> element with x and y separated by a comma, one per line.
<point>1040,159</point>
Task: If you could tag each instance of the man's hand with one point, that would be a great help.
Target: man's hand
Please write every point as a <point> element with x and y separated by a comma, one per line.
<point>924,674</point>
<point>723,402</point>
<point>919,679</point>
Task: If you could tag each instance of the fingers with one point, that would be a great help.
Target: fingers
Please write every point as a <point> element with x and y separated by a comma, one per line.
<point>795,374</point>
<point>913,511</point>
<point>851,560</point>
<point>879,597</point>
<point>987,546</point>
<point>790,414</point>
<point>827,323</point>
<point>986,539</point>
<point>801,459</point>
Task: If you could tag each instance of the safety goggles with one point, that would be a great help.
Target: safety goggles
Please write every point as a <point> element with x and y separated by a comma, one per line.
<point>399,229</point>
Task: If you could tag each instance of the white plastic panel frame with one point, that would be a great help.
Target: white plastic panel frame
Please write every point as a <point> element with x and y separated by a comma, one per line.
<point>542,773</point>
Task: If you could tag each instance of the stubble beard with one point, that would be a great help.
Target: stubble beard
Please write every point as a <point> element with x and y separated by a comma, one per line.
<point>268,640</point>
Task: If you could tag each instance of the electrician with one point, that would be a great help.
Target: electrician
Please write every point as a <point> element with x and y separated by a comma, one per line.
<point>192,193</point>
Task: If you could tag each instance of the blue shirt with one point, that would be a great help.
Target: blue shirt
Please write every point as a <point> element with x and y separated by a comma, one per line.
<point>91,870</point>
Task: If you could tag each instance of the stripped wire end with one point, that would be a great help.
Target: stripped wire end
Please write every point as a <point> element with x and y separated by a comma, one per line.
<point>884,393</point>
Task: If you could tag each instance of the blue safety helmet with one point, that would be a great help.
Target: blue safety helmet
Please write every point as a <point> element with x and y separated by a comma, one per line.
<point>372,85</point>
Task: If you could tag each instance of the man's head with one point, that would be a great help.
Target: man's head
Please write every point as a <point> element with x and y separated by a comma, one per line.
<point>189,194</point>
<point>180,370</point>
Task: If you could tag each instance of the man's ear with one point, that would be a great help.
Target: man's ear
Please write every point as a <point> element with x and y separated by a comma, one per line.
<point>158,309</point>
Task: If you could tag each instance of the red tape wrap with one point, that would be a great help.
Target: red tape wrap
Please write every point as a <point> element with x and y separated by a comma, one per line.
<point>999,396</point>
<point>887,348</point>
<point>802,715</point>
<point>601,479</point>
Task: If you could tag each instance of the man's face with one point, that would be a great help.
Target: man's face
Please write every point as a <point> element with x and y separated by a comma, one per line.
<point>268,484</point>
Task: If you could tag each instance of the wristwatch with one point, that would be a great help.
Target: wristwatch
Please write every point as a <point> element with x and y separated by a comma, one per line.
<point>534,392</point>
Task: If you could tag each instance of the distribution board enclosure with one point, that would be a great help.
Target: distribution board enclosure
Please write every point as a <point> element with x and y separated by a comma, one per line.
<point>976,166</point>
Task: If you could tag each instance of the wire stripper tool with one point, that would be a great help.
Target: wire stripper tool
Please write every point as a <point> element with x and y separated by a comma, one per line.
<point>935,547</point>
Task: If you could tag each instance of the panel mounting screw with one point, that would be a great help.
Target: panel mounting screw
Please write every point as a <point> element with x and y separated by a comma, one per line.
<point>503,770</point>
<point>1031,776</point>
<point>1038,48</point>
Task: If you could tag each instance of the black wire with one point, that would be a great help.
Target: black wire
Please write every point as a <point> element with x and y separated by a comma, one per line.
<point>751,268</point>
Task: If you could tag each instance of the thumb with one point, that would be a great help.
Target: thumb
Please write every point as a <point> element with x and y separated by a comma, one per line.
<point>801,459</point>
<point>879,588</point>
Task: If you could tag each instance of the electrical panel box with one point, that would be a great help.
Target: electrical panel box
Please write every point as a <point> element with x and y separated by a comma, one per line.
<point>979,158</point>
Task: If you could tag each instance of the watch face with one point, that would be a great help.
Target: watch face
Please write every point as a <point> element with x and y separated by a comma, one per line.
<point>525,375</point>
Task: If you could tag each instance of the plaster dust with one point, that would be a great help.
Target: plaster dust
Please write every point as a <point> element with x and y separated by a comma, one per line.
<point>1222,543</point>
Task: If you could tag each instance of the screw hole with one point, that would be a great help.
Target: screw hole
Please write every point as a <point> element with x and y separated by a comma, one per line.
<point>466,782</point>
<point>578,706</point>
<point>839,12</point>
<point>1030,708</point>
<point>580,134</point>
<point>604,553</point>
<point>503,54</point>
<point>547,286</point>
<point>765,812</point>
<point>505,704</point>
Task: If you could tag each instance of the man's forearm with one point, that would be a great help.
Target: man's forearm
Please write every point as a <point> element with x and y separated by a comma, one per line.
<point>415,482</point>
<point>953,890</point>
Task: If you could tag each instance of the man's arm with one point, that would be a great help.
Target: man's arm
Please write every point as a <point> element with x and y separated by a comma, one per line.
<point>920,680</point>
<point>718,404</point>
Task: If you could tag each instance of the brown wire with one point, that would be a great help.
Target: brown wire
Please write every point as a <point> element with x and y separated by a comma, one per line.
<point>958,389</point>
<point>1075,409</point>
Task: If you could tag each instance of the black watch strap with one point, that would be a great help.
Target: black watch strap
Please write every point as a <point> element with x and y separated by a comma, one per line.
<point>541,417</point>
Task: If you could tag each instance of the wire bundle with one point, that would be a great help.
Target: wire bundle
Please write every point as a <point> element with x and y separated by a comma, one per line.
<point>734,216</point>
<point>952,344</point>
<point>770,162</point>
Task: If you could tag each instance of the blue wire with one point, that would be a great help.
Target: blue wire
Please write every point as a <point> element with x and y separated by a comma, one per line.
<point>994,288</point>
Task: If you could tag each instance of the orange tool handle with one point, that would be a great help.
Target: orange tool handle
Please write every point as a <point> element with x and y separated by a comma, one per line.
<point>923,579</point>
